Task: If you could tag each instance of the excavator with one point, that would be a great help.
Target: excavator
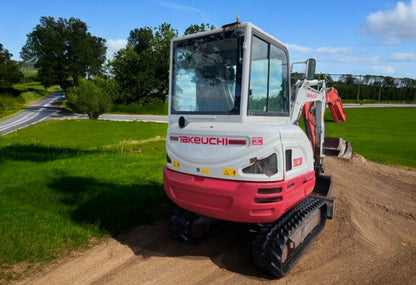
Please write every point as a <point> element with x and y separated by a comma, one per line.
<point>237,150</point>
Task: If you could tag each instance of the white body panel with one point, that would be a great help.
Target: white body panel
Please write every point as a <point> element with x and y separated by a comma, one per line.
<point>210,160</point>
<point>278,133</point>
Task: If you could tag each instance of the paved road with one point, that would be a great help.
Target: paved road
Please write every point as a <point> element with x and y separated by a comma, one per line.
<point>144,118</point>
<point>33,114</point>
<point>44,109</point>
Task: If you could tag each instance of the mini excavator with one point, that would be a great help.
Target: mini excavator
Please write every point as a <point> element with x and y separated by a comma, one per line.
<point>235,149</point>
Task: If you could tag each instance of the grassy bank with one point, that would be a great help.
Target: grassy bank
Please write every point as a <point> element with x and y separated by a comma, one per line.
<point>22,95</point>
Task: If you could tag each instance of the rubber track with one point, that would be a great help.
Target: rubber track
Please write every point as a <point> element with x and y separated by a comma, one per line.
<point>269,243</point>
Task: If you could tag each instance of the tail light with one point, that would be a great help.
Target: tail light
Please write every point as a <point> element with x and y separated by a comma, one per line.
<point>267,166</point>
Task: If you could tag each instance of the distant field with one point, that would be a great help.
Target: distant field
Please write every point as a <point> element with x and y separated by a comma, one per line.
<point>385,135</point>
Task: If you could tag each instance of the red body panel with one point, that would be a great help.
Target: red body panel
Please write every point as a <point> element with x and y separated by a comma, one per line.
<point>239,201</point>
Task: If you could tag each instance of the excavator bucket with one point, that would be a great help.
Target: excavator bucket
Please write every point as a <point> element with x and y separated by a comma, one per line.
<point>337,147</point>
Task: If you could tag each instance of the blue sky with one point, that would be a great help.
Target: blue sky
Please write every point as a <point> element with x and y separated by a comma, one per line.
<point>360,37</point>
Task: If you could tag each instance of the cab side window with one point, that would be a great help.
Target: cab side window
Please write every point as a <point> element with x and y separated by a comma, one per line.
<point>268,80</point>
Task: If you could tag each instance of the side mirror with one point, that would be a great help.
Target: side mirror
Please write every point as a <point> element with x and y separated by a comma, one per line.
<point>310,68</point>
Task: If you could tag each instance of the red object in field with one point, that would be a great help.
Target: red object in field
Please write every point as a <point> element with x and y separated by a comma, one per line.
<point>238,201</point>
<point>335,105</point>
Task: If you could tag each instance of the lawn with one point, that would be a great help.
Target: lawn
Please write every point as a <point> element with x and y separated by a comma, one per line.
<point>385,135</point>
<point>65,183</point>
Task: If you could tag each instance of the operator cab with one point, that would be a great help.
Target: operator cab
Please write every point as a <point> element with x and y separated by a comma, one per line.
<point>236,73</point>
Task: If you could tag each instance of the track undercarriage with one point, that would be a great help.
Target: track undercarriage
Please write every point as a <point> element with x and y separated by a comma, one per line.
<point>277,246</point>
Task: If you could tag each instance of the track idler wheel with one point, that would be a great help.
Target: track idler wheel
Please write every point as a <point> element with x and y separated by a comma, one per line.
<point>279,245</point>
<point>189,227</point>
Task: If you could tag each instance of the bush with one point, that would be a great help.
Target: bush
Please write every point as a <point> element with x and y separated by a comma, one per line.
<point>92,97</point>
<point>152,106</point>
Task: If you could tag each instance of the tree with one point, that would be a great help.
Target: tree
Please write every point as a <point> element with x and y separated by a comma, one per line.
<point>347,79</point>
<point>128,73</point>
<point>142,68</point>
<point>92,97</point>
<point>193,29</point>
<point>63,49</point>
<point>9,70</point>
<point>140,39</point>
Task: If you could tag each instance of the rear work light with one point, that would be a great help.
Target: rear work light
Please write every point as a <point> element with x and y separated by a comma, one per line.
<point>267,166</point>
<point>237,142</point>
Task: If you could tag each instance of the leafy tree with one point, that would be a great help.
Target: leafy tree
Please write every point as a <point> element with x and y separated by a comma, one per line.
<point>140,39</point>
<point>92,97</point>
<point>128,72</point>
<point>347,79</point>
<point>142,68</point>
<point>161,52</point>
<point>9,70</point>
<point>63,49</point>
<point>193,29</point>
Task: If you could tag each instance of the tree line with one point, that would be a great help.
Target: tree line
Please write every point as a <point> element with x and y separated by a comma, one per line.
<point>65,53</point>
<point>368,87</point>
<point>376,88</point>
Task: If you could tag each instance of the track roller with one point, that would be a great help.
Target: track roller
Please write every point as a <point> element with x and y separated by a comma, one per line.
<point>190,227</point>
<point>278,245</point>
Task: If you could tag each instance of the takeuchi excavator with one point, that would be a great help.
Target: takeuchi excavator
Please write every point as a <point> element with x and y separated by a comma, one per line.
<point>235,150</point>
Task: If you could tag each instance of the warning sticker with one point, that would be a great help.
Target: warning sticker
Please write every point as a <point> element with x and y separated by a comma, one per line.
<point>175,164</point>
<point>205,170</point>
<point>297,161</point>
<point>229,172</point>
<point>257,140</point>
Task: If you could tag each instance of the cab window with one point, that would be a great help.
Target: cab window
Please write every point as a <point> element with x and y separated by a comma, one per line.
<point>268,94</point>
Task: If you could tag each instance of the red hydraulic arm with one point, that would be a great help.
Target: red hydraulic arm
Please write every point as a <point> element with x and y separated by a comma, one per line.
<point>335,106</point>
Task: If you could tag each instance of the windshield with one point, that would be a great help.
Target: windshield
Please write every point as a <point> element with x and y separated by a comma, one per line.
<point>206,75</point>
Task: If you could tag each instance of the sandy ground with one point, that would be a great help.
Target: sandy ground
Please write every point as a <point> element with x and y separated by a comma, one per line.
<point>372,240</point>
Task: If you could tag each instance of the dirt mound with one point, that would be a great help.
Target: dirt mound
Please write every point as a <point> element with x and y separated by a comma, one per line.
<point>372,240</point>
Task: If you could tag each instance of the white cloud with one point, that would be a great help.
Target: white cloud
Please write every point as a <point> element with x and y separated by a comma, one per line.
<point>300,49</point>
<point>332,50</point>
<point>356,59</point>
<point>395,25</point>
<point>403,56</point>
<point>114,46</point>
<point>320,50</point>
<point>383,69</point>
<point>179,7</point>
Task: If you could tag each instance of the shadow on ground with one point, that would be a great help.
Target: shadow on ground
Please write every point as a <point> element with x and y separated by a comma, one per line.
<point>145,209</point>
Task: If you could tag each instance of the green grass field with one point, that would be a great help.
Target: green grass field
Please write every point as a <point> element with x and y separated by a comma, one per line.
<point>67,183</point>
<point>385,135</point>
